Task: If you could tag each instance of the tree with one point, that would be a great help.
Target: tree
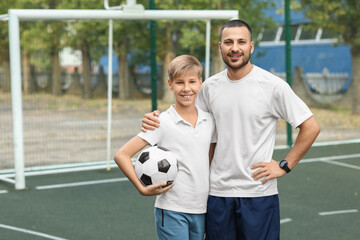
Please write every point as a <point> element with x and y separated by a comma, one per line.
<point>342,17</point>
<point>36,38</point>
<point>4,54</point>
<point>129,35</point>
<point>173,37</point>
<point>88,36</point>
<point>4,45</point>
<point>55,32</point>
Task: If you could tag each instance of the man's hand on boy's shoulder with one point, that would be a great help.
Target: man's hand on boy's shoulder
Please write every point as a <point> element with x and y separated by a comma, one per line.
<point>150,121</point>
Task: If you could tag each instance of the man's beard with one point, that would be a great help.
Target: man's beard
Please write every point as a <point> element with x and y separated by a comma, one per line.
<point>239,66</point>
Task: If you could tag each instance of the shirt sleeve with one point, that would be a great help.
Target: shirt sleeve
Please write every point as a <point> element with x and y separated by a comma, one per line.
<point>152,136</point>
<point>288,106</point>
<point>202,99</point>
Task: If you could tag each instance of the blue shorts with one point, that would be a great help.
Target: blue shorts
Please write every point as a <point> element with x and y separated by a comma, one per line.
<point>243,218</point>
<point>172,225</point>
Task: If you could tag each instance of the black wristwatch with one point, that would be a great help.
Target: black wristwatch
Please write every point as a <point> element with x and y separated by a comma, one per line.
<point>284,165</point>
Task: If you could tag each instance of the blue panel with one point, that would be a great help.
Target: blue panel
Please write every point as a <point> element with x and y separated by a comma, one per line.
<point>312,58</point>
<point>277,14</point>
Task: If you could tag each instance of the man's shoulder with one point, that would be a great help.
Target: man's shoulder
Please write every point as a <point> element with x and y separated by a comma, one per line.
<point>269,81</point>
<point>215,78</point>
<point>265,75</point>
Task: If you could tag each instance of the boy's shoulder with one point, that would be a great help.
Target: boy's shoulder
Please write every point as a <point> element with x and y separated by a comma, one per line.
<point>165,115</point>
<point>204,115</point>
<point>170,115</point>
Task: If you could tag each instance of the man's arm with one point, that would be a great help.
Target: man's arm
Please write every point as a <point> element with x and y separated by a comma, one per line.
<point>309,130</point>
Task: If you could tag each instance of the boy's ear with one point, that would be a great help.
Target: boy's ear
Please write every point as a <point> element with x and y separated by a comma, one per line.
<point>201,80</point>
<point>169,83</point>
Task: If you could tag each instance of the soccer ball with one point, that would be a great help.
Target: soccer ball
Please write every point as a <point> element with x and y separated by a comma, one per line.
<point>155,165</point>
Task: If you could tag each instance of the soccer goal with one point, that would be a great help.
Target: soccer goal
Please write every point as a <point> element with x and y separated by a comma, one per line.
<point>130,11</point>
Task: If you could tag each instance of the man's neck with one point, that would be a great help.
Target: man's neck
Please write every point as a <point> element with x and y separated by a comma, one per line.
<point>237,74</point>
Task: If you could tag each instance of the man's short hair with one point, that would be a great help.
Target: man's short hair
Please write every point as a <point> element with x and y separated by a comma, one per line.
<point>183,64</point>
<point>236,23</point>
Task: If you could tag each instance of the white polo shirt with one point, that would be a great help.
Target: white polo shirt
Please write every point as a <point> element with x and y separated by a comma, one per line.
<point>191,145</point>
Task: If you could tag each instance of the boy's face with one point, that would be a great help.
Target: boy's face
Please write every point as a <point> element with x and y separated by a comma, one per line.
<point>186,87</point>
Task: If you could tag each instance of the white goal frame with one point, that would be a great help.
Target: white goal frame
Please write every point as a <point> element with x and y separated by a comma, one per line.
<point>17,15</point>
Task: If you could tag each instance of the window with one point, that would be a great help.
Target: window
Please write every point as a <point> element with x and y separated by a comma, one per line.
<point>292,34</point>
<point>269,35</point>
<point>307,34</point>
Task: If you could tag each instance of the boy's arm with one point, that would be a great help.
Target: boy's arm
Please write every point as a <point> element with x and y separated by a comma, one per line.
<point>309,130</point>
<point>150,121</point>
<point>123,160</point>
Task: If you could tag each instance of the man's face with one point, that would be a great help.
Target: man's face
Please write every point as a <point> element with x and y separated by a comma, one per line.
<point>236,47</point>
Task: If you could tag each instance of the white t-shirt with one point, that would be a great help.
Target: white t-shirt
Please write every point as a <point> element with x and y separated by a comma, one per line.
<point>191,144</point>
<point>246,112</point>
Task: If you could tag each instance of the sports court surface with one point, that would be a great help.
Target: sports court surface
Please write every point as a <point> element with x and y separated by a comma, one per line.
<point>320,199</point>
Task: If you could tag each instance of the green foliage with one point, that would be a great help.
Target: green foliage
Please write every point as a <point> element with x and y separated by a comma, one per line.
<point>189,36</point>
<point>341,16</point>
<point>4,29</point>
<point>41,39</point>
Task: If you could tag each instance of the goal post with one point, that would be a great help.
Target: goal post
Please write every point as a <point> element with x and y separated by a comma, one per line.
<point>17,15</point>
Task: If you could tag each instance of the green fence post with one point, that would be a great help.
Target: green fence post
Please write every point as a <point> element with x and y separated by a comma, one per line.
<point>288,61</point>
<point>153,60</point>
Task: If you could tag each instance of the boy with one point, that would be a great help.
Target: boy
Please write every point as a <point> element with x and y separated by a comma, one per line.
<point>188,132</point>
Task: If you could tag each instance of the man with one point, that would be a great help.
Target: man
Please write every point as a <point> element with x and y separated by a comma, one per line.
<point>246,102</point>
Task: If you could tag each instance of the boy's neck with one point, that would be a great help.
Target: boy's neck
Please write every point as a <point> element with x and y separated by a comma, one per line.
<point>189,113</point>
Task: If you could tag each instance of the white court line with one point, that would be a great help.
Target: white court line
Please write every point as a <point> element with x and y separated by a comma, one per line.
<point>320,144</point>
<point>3,191</point>
<point>31,232</point>
<point>285,220</point>
<point>75,184</point>
<point>336,142</point>
<point>344,165</point>
<point>6,179</point>
<point>324,159</point>
<point>331,160</point>
<point>338,212</point>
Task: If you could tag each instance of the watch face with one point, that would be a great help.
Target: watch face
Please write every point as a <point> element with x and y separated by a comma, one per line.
<point>283,163</point>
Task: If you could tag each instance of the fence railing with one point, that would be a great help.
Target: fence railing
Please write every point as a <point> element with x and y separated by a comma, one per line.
<point>324,82</point>
<point>327,83</point>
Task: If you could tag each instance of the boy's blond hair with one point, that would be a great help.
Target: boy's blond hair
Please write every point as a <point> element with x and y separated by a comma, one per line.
<point>183,64</point>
